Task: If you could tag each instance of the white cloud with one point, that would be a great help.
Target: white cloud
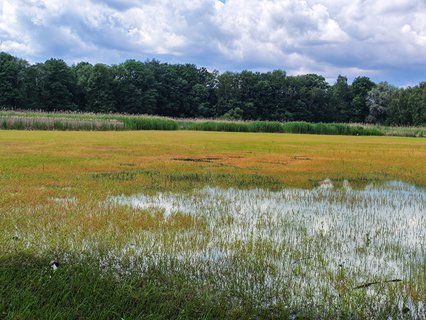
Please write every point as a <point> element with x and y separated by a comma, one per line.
<point>325,36</point>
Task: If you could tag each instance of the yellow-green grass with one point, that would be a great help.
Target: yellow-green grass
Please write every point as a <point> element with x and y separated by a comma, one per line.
<point>37,164</point>
<point>43,171</point>
<point>53,192</point>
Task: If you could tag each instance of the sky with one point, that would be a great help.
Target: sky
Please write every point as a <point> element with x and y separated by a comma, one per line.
<point>381,39</point>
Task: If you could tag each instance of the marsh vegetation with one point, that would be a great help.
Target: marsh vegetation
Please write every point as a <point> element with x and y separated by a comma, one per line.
<point>320,252</point>
<point>211,225</point>
<point>19,120</point>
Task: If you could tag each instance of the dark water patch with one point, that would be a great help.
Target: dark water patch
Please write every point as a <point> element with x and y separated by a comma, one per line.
<point>188,180</point>
<point>207,159</point>
<point>119,175</point>
<point>127,164</point>
<point>124,175</point>
<point>303,158</point>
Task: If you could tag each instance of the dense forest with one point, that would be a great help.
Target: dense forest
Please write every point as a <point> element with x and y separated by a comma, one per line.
<point>187,91</point>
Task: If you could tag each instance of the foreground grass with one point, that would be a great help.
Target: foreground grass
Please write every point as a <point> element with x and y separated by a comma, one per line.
<point>54,188</point>
<point>31,290</point>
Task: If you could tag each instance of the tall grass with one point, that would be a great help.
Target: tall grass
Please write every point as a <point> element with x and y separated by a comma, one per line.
<point>18,120</point>
<point>278,127</point>
<point>81,124</point>
<point>44,123</point>
<point>231,126</point>
<point>148,123</point>
<point>418,132</point>
<point>330,128</point>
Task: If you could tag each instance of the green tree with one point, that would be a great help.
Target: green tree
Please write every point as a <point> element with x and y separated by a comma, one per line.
<point>419,112</point>
<point>184,90</point>
<point>234,114</point>
<point>82,72</point>
<point>251,100</point>
<point>278,104</point>
<point>408,106</point>
<point>360,88</point>
<point>32,87</point>
<point>341,99</point>
<point>133,83</point>
<point>100,95</point>
<point>56,84</point>
<point>378,100</point>
<point>307,98</point>
<point>12,81</point>
<point>228,93</point>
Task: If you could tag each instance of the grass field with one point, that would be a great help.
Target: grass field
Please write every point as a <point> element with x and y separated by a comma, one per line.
<point>184,224</point>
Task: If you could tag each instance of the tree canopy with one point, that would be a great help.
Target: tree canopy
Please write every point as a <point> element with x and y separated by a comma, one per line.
<point>185,90</point>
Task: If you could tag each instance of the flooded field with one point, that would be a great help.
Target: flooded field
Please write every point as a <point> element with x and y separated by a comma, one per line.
<point>321,247</point>
<point>184,225</point>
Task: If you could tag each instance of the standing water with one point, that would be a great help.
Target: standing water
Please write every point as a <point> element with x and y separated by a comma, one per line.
<point>321,247</point>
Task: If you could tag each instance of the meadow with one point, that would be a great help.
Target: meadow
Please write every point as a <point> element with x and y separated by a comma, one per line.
<point>192,224</point>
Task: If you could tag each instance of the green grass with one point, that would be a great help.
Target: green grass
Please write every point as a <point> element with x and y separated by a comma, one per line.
<point>30,289</point>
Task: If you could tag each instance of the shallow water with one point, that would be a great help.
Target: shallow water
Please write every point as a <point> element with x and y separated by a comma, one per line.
<point>313,241</point>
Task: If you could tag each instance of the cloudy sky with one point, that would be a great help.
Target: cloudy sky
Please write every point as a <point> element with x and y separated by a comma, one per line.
<point>382,39</point>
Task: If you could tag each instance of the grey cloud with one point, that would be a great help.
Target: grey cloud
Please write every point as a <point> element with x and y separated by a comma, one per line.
<point>376,37</point>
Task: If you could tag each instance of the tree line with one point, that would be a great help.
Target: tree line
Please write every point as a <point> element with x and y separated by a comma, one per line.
<point>188,91</point>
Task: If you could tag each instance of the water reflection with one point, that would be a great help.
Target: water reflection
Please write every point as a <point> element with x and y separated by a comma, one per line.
<point>310,238</point>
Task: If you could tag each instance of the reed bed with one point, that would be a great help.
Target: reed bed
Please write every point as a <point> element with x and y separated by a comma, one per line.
<point>102,122</point>
<point>278,127</point>
<point>63,124</point>
<point>148,123</point>
<point>232,126</point>
<point>330,129</point>
<point>118,123</point>
<point>417,132</point>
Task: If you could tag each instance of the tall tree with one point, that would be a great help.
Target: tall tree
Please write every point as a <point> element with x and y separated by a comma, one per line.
<point>359,108</point>
<point>184,90</point>
<point>100,95</point>
<point>82,72</point>
<point>228,93</point>
<point>408,106</point>
<point>57,86</point>
<point>134,88</point>
<point>378,100</point>
<point>12,81</point>
<point>308,98</point>
<point>341,99</point>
